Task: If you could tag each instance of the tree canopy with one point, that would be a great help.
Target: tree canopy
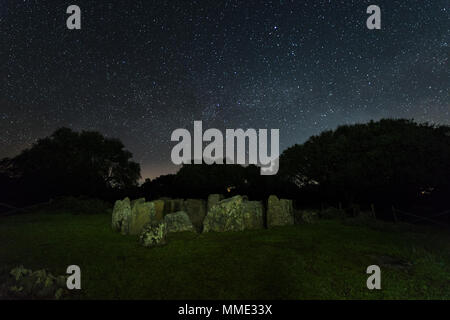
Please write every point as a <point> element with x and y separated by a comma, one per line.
<point>68,162</point>
<point>200,180</point>
<point>389,158</point>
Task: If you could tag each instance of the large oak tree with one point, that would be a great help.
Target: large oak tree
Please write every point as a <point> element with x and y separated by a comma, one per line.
<point>72,163</point>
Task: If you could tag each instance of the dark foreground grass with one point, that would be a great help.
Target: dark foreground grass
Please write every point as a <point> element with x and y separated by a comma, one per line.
<point>326,260</point>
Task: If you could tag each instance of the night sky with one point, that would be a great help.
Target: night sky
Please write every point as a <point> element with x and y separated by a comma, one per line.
<point>137,70</point>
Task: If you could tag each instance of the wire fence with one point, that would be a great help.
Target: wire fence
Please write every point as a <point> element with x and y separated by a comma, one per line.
<point>414,218</point>
<point>16,210</point>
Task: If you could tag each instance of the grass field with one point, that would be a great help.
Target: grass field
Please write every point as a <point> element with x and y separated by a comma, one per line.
<point>326,260</point>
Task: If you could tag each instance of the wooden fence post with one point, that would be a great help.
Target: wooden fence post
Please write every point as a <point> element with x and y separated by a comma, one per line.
<point>394,214</point>
<point>372,207</point>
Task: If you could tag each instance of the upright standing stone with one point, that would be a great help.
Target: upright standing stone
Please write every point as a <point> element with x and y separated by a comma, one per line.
<point>196,210</point>
<point>167,205</point>
<point>213,199</point>
<point>280,212</point>
<point>121,215</point>
<point>177,205</point>
<point>136,201</point>
<point>253,214</point>
<point>141,214</point>
<point>178,222</point>
<point>234,214</point>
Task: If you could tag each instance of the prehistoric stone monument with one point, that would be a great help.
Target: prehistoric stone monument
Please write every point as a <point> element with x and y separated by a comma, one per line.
<point>234,214</point>
<point>253,215</point>
<point>130,217</point>
<point>159,209</point>
<point>153,234</point>
<point>121,214</point>
<point>173,205</point>
<point>280,212</point>
<point>178,222</point>
<point>141,214</point>
<point>153,220</point>
<point>136,201</point>
<point>196,210</point>
<point>213,199</point>
<point>39,284</point>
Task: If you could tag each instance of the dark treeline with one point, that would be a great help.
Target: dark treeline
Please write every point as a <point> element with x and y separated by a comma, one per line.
<point>381,164</point>
<point>198,181</point>
<point>68,163</point>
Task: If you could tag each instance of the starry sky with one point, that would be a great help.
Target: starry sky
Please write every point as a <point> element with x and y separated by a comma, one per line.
<point>137,70</point>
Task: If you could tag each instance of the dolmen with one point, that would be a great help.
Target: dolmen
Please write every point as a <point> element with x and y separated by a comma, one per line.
<point>280,212</point>
<point>151,221</point>
<point>234,214</point>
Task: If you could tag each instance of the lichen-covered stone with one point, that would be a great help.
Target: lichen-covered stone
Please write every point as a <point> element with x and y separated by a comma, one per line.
<point>226,215</point>
<point>196,210</point>
<point>121,215</point>
<point>172,205</point>
<point>153,234</point>
<point>61,281</point>
<point>40,284</point>
<point>136,201</point>
<point>280,212</point>
<point>59,293</point>
<point>47,288</point>
<point>19,272</point>
<point>213,199</point>
<point>177,205</point>
<point>178,222</point>
<point>141,214</point>
<point>253,214</point>
<point>234,214</point>
<point>159,209</point>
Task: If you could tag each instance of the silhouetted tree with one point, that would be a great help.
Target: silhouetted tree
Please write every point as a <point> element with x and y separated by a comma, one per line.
<point>389,160</point>
<point>200,180</point>
<point>72,163</point>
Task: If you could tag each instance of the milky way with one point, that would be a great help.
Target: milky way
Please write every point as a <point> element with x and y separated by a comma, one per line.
<point>137,70</point>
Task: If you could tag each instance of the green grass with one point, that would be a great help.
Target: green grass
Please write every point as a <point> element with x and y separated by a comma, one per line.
<point>326,260</point>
